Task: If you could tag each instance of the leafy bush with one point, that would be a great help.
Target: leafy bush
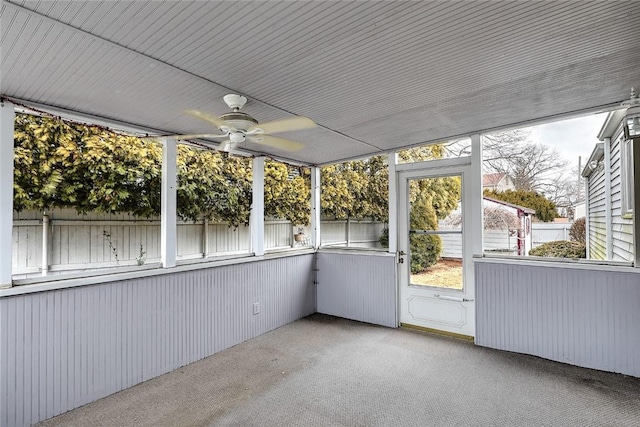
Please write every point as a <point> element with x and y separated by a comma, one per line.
<point>425,248</point>
<point>425,251</point>
<point>578,230</point>
<point>384,238</point>
<point>560,249</point>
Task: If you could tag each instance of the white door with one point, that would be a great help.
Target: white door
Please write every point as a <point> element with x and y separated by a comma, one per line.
<point>436,287</point>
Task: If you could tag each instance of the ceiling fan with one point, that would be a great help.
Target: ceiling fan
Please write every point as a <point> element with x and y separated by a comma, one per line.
<point>238,127</point>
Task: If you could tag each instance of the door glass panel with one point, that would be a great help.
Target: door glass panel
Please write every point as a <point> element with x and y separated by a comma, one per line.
<point>435,232</point>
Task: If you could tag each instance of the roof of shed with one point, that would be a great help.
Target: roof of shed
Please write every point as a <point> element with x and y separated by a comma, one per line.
<point>490,179</point>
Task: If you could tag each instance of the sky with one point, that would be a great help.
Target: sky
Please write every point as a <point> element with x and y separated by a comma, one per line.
<point>571,138</point>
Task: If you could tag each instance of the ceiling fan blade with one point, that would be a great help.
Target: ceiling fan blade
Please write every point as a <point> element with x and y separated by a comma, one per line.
<point>207,117</point>
<point>200,135</point>
<point>274,141</point>
<point>286,125</point>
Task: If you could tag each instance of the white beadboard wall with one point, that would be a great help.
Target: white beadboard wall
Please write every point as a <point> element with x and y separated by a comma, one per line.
<point>358,286</point>
<point>583,317</point>
<point>64,348</point>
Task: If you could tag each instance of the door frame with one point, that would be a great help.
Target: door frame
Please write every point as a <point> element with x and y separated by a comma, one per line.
<point>470,168</point>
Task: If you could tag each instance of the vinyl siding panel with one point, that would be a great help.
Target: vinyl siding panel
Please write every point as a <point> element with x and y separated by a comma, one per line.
<point>597,216</point>
<point>582,317</point>
<point>622,228</point>
<point>358,286</point>
<point>62,349</point>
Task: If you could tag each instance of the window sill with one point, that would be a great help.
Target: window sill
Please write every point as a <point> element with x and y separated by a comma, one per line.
<point>578,264</point>
<point>356,251</point>
<point>42,284</point>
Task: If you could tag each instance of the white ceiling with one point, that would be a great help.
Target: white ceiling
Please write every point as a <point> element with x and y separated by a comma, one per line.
<point>375,76</point>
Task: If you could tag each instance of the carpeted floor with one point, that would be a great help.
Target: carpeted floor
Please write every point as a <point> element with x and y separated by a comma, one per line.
<point>324,371</point>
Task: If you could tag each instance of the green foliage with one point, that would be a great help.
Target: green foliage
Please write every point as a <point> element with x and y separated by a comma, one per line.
<point>360,189</point>
<point>213,186</point>
<point>425,249</point>
<point>384,238</point>
<point>356,190</point>
<point>545,208</point>
<point>67,165</point>
<point>560,249</point>
<point>58,164</point>
<point>421,154</point>
<point>64,165</point>
<point>578,230</point>
<point>287,195</point>
<point>444,193</point>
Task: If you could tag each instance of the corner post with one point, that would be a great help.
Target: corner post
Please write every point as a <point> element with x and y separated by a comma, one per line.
<point>635,144</point>
<point>476,228</point>
<point>393,203</point>
<point>607,199</point>
<point>45,244</point>
<point>168,218</point>
<point>315,207</point>
<point>7,117</point>
<point>256,220</point>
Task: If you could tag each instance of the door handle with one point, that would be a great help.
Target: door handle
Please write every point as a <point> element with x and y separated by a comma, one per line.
<point>452,298</point>
<point>401,254</point>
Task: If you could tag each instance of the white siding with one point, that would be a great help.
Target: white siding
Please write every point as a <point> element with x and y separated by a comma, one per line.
<point>622,228</point>
<point>62,349</point>
<point>582,317</point>
<point>597,215</point>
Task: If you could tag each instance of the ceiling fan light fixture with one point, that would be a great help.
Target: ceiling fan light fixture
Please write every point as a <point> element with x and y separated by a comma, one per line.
<point>236,137</point>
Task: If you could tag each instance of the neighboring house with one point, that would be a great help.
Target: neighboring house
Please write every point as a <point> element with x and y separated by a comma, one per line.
<point>609,194</point>
<point>497,181</point>
<point>579,210</point>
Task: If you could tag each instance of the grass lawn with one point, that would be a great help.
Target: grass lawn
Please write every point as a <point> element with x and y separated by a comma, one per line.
<point>446,273</point>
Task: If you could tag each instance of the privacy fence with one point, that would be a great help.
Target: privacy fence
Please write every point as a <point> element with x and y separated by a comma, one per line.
<point>70,242</point>
<point>504,242</point>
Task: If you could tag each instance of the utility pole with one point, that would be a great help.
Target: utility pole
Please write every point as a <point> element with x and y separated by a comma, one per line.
<point>579,178</point>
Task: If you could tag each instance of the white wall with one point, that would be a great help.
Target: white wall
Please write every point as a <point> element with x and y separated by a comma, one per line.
<point>64,348</point>
<point>578,315</point>
<point>358,286</point>
<point>597,215</point>
<point>622,228</point>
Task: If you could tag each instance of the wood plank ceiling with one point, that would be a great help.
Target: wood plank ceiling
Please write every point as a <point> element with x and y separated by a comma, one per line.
<point>376,76</point>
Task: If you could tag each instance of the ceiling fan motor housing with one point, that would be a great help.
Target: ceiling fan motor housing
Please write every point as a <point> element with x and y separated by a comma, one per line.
<point>237,121</point>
